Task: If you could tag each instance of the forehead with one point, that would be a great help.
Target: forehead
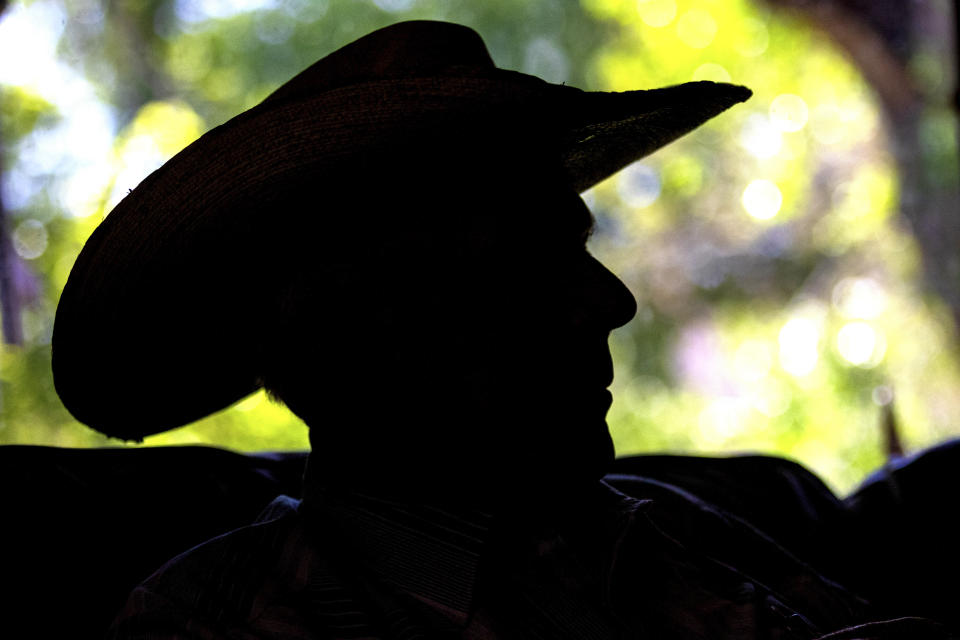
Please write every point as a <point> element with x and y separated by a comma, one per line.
<point>435,194</point>
<point>541,201</point>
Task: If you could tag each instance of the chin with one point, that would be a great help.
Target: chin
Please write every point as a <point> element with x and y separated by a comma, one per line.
<point>580,452</point>
<point>597,455</point>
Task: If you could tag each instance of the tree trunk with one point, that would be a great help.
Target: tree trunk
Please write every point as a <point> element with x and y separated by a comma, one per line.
<point>9,298</point>
<point>880,36</point>
<point>9,295</point>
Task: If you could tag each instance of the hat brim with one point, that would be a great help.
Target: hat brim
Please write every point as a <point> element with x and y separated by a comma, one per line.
<point>141,344</point>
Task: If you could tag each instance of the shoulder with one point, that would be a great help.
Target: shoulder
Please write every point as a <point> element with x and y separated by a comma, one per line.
<point>224,583</point>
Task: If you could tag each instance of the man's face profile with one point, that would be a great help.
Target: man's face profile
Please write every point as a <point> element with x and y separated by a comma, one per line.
<point>474,335</point>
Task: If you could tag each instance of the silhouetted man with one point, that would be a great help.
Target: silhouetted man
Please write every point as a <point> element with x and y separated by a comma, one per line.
<point>393,245</point>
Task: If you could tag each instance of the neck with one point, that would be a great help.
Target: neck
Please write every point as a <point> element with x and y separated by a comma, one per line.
<point>519,496</point>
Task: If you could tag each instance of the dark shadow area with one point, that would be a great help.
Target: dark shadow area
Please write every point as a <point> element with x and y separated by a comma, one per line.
<point>102,521</point>
<point>82,527</point>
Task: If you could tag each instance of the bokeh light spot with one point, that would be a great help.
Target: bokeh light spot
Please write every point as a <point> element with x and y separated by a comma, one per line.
<point>82,192</point>
<point>194,11</point>
<point>755,38</point>
<point>827,124</point>
<point>789,112</point>
<point>772,400</point>
<point>305,10</point>
<point>657,13</point>
<point>762,199</point>
<point>639,185</point>
<point>29,33</point>
<point>18,188</point>
<point>696,28</point>
<point>395,6</point>
<point>683,175</point>
<point>30,239</point>
<point>721,420</point>
<point>868,197</point>
<point>546,60</point>
<point>711,71</point>
<point>859,344</point>
<point>798,341</point>
<point>760,138</point>
<point>860,298</point>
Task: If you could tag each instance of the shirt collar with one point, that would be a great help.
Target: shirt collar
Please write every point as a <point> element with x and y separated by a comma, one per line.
<point>429,552</point>
<point>433,553</point>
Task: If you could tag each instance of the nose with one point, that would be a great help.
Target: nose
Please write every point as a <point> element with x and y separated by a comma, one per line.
<point>605,301</point>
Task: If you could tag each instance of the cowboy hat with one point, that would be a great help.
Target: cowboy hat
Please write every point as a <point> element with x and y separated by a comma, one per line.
<point>145,339</point>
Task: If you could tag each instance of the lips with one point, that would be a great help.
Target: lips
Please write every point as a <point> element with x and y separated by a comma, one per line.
<point>607,398</point>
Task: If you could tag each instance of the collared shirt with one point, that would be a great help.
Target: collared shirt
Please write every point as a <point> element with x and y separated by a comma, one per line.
<point>603,566</point>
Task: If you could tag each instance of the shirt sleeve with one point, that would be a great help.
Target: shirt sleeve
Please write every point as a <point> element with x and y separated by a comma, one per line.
<point>908,628</point>
<point>152,616</point>
<point>225,588</point>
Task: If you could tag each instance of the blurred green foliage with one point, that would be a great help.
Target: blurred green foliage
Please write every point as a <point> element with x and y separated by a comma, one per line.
<point>780,294</point>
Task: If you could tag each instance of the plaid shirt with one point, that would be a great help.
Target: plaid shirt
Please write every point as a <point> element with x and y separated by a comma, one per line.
<point>605,566</point>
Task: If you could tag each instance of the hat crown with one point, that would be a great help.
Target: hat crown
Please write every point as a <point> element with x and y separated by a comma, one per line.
<point>406,49</point>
